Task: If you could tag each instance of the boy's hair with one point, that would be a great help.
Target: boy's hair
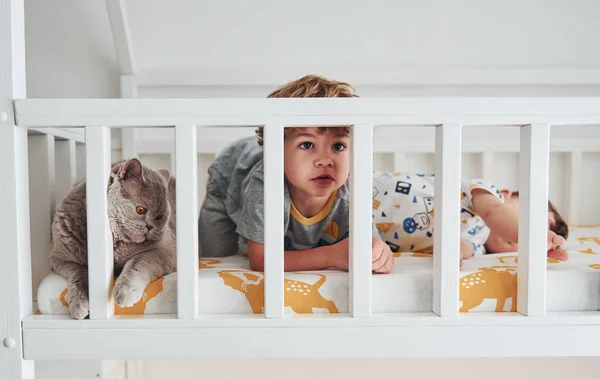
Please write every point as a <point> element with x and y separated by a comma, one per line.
<point>311,86</point>
<point>559,226</point>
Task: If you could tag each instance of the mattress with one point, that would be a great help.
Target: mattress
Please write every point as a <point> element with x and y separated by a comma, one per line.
<point>487,284</point>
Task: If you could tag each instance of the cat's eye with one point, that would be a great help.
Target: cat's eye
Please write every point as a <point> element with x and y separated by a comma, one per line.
<point>158,218</point>
<point>140,210</point>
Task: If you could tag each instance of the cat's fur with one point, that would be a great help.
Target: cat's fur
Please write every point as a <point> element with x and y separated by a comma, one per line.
<point>142,253</point>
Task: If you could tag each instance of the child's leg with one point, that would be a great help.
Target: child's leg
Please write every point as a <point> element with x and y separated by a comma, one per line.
<point>216,231</point>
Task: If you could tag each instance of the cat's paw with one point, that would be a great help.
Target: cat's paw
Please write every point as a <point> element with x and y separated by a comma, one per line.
<point>127,294</point>
<point>79,307</point>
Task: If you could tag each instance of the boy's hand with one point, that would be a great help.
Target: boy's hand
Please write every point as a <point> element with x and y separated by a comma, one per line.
<point>383,259</point>
<point>554,241</point>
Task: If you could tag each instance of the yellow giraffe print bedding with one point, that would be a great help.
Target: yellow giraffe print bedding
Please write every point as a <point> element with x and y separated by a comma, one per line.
<point>498,283</point>
<point>301,296</point>
<point>486,284</point>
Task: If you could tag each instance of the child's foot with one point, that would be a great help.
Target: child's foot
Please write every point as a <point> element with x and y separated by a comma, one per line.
<point>559,255</point>
<point>554,242</point>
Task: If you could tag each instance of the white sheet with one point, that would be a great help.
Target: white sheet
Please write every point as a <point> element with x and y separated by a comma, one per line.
<point>487,284</point>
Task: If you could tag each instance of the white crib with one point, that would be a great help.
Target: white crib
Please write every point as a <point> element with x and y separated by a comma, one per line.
<point>40,132</point>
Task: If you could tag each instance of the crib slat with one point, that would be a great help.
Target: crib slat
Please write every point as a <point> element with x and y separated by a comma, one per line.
<point>128,149</point>
<point>399,161</point>
<point>446,249</point>
<point>80,161</point>
<point>99,236</point>
<point>15,257</point>
<point>533,219</point>
<point>487,165</point>
<point>361,203</point>
<point>274,226</point>
<point>66,169</point>
<point>42,205</point>
<point>187,221</point>
<point>574,186</point>
<point>172,162</point>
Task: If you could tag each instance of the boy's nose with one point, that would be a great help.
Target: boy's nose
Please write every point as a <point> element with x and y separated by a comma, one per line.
<point>324,162</point>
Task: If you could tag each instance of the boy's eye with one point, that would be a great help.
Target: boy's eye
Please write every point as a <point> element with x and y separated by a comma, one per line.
<point>339,147</point>
<point>307,145</point>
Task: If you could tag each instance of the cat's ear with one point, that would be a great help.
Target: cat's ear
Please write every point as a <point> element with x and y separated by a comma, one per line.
<point>171,185</point>
<point>165,174</point>
<point>131,170</point>
<point>171,191</point>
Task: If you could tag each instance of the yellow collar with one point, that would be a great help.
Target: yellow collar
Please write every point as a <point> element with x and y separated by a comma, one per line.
<point>316,218</point>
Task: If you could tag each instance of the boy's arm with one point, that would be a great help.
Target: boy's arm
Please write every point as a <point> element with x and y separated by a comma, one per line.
<point>319,258</point>
<point>501,219</point>
<point>498,217</point>
<point>323,257</point>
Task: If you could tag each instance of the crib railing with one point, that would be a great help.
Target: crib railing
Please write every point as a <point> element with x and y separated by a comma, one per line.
<point>46,151</point>
<point>190,117</point>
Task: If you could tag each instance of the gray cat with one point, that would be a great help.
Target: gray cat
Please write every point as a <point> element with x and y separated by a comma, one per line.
<point>141,211</point>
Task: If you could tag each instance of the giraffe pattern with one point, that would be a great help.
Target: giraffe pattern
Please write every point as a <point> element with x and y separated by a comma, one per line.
<point>495,282</point>
<point>515,259</point>
<point>300,296</point>
<point>589,239</point>
<point>206,263</point>
<point>417,254</point>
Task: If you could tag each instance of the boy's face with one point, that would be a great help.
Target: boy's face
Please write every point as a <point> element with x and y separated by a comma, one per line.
<point>497,244</point>
<point>316,161</point>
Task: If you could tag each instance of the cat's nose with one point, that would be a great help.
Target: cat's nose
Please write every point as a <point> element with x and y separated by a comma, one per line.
<point>150,227</point>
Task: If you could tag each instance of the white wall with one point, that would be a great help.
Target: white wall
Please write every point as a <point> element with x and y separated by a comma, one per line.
<point>69,50</point>
<point>265,43</point>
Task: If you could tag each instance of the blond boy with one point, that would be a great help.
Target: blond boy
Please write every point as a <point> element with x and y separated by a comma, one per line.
<point>316,201</point>
<point>316,194</point>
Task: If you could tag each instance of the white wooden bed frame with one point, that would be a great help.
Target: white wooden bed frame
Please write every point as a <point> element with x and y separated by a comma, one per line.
<point>25,337</point>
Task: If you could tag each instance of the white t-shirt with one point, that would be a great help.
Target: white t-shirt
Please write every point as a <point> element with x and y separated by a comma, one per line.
<point>404,210</point>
